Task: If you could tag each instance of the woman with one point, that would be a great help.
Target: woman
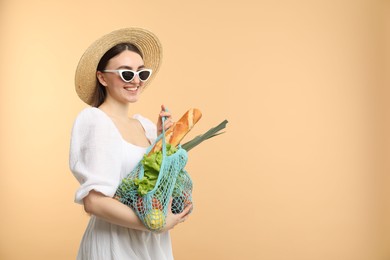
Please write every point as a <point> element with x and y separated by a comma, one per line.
<point>106,145</point>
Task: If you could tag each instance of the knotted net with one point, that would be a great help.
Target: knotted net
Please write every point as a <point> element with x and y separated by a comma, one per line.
<point>157,179</point>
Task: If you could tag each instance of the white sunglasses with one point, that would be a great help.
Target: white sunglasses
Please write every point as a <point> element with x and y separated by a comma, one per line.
<point>128,75</point>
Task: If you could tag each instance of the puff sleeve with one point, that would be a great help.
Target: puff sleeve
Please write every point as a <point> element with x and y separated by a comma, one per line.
<point>94,157</point>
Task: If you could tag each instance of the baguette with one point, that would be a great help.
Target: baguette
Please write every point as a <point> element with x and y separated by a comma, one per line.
<point>178,131</point>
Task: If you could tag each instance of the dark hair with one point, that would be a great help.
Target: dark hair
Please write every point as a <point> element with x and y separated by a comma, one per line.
<point>100,91</point>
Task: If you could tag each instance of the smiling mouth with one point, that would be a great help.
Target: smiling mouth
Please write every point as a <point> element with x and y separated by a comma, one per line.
<point>131,88</point>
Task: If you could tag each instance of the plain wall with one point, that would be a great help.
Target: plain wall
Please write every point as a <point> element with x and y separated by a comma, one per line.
<point>386,127</point>
<point>302,170</point>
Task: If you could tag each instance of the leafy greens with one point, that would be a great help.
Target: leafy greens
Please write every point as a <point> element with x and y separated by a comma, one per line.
<point>151,164</point>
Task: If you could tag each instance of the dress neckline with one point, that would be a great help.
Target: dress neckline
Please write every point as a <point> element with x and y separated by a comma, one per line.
<point>119,133</point>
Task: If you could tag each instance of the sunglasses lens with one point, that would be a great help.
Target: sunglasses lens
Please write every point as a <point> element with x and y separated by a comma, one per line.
<point>144,75</point>
<point>127,75</point>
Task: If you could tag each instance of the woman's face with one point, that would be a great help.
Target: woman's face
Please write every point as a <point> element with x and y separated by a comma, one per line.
<point>117,89</point>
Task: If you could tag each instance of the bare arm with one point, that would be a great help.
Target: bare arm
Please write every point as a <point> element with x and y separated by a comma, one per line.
<point>117,213</point>
<point>112,211</point>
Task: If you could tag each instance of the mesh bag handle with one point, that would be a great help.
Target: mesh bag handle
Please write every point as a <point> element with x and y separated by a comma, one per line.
<point>161,136</point>
<point>163,150</point>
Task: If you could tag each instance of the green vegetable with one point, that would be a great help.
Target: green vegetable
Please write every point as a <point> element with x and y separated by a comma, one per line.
<point>200,138</point>
<point>152,164</point>
<point>144,185</point>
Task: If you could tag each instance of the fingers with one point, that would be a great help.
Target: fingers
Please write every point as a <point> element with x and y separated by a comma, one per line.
<point>183,219</point>
<point>170,205</point>
<point>186,211</point>
<point>174,219</point>
<point>165,114</point>
<point>183,216</point>
<point>168,124</point>
<point>168,119</point>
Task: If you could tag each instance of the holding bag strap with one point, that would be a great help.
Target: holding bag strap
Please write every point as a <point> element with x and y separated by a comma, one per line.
<point>164,145</point>
<point>160,137</point>
<point>179,130</point>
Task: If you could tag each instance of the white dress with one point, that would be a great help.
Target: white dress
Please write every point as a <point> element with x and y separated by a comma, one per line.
<point>99,159</point>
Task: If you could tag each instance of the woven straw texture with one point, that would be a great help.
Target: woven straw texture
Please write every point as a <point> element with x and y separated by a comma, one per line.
<point>146,42</point>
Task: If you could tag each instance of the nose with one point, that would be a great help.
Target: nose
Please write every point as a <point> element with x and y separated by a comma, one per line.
<point>136,79</point>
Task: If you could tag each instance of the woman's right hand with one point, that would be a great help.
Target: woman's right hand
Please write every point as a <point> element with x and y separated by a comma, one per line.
<point>168,120</point>
<point>173,219</point>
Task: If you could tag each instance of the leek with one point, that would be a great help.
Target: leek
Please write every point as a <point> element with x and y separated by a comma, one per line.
<point>207,135</point>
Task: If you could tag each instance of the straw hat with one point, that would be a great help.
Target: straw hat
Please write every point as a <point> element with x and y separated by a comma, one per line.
<point>145,41</point>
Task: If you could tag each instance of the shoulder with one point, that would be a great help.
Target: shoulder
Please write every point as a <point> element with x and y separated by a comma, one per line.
<point>91,120</point>
<point>90,114</point>
<point>90,117</point>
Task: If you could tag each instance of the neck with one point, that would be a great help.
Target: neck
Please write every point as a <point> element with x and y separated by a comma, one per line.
<point>115,109</point>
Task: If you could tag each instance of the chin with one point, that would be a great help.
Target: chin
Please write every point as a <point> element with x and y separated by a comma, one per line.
<point>132,100</point>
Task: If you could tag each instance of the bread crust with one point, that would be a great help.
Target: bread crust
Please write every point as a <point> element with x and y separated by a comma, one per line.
<point>179,130</point>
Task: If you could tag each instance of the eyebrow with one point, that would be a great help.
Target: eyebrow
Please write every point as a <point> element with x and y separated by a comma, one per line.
<point>130,68</point>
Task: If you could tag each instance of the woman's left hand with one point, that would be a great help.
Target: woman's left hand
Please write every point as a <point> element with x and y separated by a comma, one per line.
<point>173,219</point>
<point>168,120</point>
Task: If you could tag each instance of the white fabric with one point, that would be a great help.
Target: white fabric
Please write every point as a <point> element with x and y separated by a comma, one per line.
<point>99,159</point>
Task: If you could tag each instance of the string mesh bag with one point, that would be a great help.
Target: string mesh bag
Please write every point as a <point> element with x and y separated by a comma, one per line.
<point>157,179</point>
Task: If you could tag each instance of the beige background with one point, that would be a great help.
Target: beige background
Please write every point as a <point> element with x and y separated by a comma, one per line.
<point>302,172</point>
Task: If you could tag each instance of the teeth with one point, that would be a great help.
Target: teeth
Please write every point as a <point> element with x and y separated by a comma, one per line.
<point>133,88</point>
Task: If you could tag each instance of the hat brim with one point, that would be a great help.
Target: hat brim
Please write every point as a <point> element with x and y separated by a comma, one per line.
<point>145,41</point>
